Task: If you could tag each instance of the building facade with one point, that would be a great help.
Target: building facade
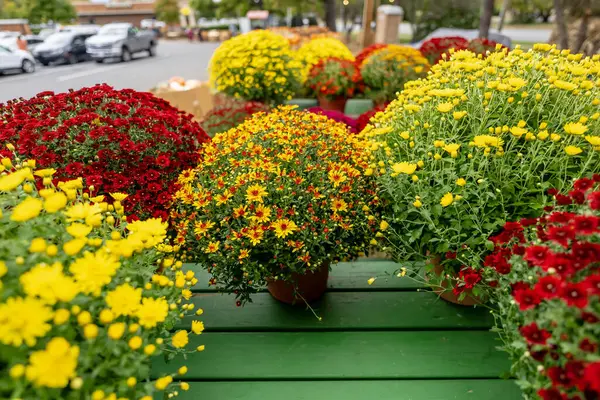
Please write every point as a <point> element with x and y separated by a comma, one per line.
<point>114,11</point>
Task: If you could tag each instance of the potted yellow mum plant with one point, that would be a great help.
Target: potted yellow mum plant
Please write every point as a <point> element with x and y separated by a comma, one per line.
<point>477,143</point>
<point>320,48</point>
<point>83,309</point>
<point>258,66</point>
<point>276,201</point>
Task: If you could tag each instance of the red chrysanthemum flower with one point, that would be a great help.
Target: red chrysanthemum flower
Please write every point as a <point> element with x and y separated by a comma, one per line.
<point>575,373</point>
<point>586,224</point>
<point>589,318</point>
<point>588,346</point>
<point>528,221</point>
<point>574,294</point>
<point>559,376</point>
<point>594,200</point>
<point>590,252</point>
<point>534,335</point>
<point>560,217</point>
<point>515,287</point>
<point>560,263</point>
<point>561,234</point>
<point>537,255</point>
<point>578,196</point>
<point>591,375</point>
<point>527,298</point>
<point>563,200</point>
<point>548,287</point>
<point>583,184</point>
<point>551,394</point>
<point>592,284</point>
<point>94,180</point>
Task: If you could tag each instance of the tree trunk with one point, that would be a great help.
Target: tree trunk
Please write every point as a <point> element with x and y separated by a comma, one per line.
<point>505,7</point>
<point>583,27</point>
<point>486,18</point>
<point>330,15</point>
<point>561,24</point>
<point>347,29</point>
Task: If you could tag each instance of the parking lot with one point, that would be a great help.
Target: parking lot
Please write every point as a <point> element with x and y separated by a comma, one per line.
<point>174,58</point>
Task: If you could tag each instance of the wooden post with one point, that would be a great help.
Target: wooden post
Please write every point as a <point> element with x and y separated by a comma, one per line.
<point>367,33</point>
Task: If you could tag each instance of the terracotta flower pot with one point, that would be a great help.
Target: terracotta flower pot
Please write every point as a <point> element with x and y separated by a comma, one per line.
<point>447,294</point>
<point>338,104</point>
<point>310,286</point>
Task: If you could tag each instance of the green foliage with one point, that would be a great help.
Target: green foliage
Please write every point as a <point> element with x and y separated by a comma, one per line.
<point>167,11</point>
<point>426,16</point>
<point>236,8</point>
<point>51,10</point>
<point>38,11</point>
<point>527,11</point>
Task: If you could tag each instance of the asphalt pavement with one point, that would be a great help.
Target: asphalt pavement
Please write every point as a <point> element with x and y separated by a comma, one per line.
<point>174,58</point>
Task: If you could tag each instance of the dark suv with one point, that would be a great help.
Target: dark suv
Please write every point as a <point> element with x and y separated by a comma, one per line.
<point>62,47</point>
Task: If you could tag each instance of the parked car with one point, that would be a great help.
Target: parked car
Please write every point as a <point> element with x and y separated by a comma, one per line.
<point>85,28</point>
<point>62,47</point>
<point>121,41</point>
<point>16,60</point>
<point>32,42</point>
<point>8,34</point>
<point>46,32</point>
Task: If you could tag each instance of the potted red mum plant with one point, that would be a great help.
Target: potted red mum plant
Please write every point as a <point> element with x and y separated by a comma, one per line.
<point>546,273</point>
<point>117,140</point>
<point>332,81</point>
<point>434,48</point>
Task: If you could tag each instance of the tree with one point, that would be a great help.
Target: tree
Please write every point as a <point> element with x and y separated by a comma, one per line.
<point>204,8</point>
<point>41,11</point>
<point>330,15</point>
<point>543,9</point>
<point>582,32</point>
<point>505,7</point>
<point>561,25</point>
<point>487,9</point>
<point>167,11</point>
<point>425,16</point>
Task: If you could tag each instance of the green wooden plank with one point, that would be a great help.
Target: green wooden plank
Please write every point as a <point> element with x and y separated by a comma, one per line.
<point>342,355</point>
<point>341,311</point>
<point>485,389</point>
<point>343,276</point>
<point>356,107</point>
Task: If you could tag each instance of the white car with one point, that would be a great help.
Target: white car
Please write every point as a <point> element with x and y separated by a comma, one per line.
<point>16,60</point>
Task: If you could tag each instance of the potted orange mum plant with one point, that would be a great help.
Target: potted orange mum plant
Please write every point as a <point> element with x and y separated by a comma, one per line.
<point>275,202</point>
<point>332,81</point>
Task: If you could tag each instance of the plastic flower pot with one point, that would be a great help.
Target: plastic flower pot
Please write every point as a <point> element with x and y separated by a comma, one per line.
<point>301,289</point>
<point>356,107</point>
<point>337,104</point>
<point>302,104</point>
<point>445,293</point>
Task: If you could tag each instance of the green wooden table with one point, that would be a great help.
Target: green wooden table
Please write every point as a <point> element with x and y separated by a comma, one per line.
<point>392,340</point>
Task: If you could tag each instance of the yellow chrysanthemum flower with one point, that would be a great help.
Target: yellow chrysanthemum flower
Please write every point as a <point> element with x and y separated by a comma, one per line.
<point>54,366</point>
<point>180,339</point>
<point>447,199</point>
